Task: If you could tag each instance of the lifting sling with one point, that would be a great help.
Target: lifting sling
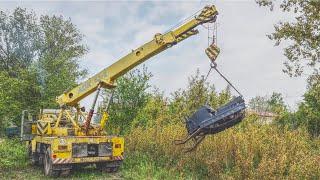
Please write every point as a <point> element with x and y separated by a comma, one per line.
<point>207,121</point>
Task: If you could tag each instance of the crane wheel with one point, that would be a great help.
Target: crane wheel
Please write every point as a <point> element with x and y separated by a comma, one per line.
<point>113,169</point>
<point>34,158</point>
<point>105,167</point>
<point>65,173</point>
<point>48,166</point>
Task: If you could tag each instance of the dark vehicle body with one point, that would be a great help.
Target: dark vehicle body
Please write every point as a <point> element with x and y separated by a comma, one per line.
<point>13,131</point>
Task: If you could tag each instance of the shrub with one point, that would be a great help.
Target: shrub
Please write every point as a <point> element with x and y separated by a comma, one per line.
<point>13,154</point>
<point>249,150</point>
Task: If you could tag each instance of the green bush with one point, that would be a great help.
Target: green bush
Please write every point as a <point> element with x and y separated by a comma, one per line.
<point>13,154</point>
<point>250,150</point>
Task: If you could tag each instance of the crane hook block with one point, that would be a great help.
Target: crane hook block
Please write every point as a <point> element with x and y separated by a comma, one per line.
<point>212,52</point>
<point>208,121</point>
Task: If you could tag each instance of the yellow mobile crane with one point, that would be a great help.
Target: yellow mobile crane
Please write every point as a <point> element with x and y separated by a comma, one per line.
<point>63,138</point>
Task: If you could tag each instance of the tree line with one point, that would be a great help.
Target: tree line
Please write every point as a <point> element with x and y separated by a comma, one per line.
<point>39,59</point>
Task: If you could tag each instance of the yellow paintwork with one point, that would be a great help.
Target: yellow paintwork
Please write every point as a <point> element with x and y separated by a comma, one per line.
<point>104,120</point>
<point>44,127</point>
<point>61,131</point>
<point>34,129</point>
<point>68,140</point>
<point>159,43</point>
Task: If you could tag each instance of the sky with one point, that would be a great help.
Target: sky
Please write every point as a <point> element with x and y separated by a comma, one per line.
<point>248,58</point>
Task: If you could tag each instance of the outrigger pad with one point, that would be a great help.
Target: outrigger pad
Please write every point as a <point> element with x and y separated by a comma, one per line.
<point>208,121</point>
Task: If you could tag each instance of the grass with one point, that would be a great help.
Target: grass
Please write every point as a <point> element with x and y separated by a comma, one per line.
<point>13,154</point>
<point>143,166</point>
<point>35,172</point>
<point>248,151</point>
<point>15,165</point>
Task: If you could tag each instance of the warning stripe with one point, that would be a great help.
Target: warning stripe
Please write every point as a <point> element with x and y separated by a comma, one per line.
<point>69,160</point>
<point>62,161</point>
<point>118,158</point>
<point>212,52</point>
<point>211,55</point>
<point>42,131</point>
<point>207,14</point>
<point>186,35</point>
<point>42,127</point>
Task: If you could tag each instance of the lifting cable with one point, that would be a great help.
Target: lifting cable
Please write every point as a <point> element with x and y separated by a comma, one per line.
<point>184,20</point>
<point>213,65</point>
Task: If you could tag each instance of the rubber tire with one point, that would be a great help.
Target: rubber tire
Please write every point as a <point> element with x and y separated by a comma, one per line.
<point>33,157</point>
<point>65,173</point>
<point>104,168</point>
<point>48,166</point>
<point>115,169</point>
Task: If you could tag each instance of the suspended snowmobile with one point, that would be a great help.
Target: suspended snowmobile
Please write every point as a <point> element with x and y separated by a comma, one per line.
<point>206,120</point>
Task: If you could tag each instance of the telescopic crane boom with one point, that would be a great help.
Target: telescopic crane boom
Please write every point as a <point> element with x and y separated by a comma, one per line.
<point>158,44</point>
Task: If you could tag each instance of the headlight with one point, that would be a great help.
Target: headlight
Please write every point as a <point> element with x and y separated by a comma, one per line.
<point>79,150</point>
<point>105,149</point>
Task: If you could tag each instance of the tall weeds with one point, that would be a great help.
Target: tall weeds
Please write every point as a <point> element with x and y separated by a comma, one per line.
<point>248,151</point>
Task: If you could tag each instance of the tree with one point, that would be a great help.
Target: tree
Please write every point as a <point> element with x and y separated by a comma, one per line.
<point>303,53</point>
<point>129,97</point>
<point>160,111</point>
<point>39,59</point>
<point>197,93</point>
<point>259,104</point>
<point>308,113</point>
<point>58,64</point>
<point>302,35</point>
<point>19,40</point>
<point>276,103</point>
<point>17,94</point>
<point>153,113</point>
<point>273,103</point>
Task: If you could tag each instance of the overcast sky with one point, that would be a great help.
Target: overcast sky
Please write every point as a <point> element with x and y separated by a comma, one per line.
<point>248,58</point>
